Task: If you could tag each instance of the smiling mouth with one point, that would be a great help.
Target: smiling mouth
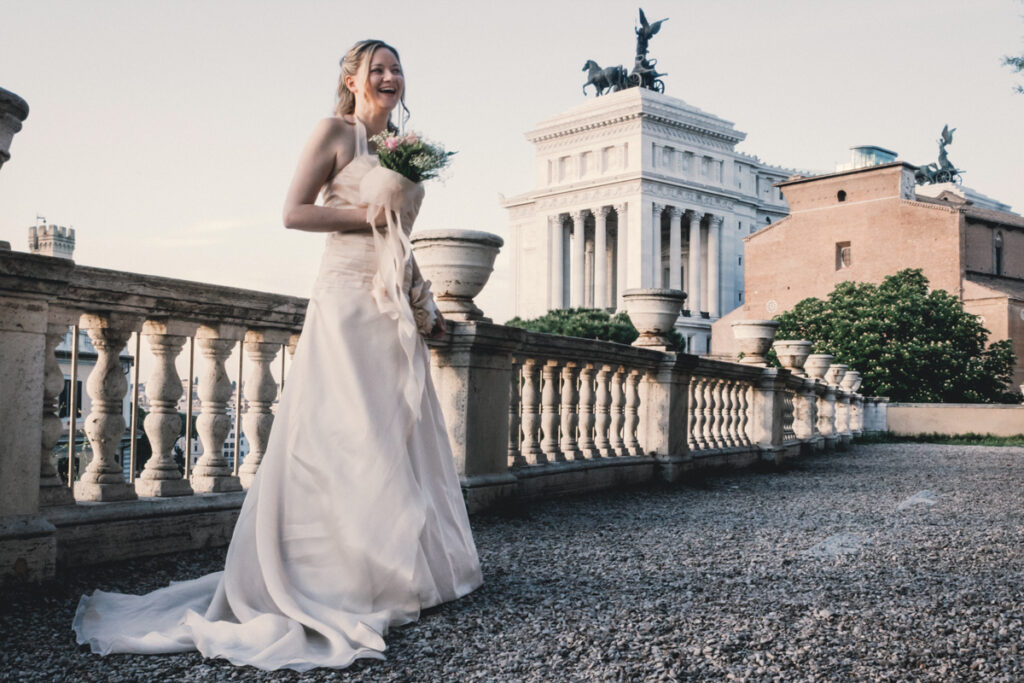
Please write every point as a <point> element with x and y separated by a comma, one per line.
<point>388,91</point>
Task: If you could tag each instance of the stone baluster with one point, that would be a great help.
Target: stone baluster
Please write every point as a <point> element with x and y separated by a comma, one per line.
<point>709,412</point>
<point>212,473</point>
<point>515,455</point>
<point>531,414</point>
<point>723,430</point>
<point>549,412</point>
<point>691,414</point>
<point>744,426</point>
<point>803,412</point>
<point>52,490</point>
<point>161,476</point>
<point>602,413</point>
<point>856,415</point>
<point>260,390</point>
<point>616,444</point>
<point>788,416</point>
<point>632,414</point>
<point>717,416</point>
<point>569,445</point>
<point>586,412</point>
<point>735,438</point>
<point>826,416</point>
<point>700,417</point>
<point>103,480</point>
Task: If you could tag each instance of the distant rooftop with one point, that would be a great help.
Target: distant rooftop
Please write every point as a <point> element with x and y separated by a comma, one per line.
<point>867,155</point>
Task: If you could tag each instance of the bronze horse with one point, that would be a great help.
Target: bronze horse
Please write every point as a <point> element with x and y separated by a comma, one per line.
<point>612,77</point>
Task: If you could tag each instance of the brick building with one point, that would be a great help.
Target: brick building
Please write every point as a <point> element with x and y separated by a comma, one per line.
<point>865,223</point>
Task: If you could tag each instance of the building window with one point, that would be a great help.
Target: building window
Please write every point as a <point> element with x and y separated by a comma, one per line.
<point>841,195</point>
<point>844,257</point>
<point>739,261</point>
<point>997,254</point>
<point>739,296</point>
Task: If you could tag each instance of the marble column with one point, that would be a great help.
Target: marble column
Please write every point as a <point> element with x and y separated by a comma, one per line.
<point>556,231</point>
<point>714,258</point>
<point>600,257</point>
<point>576,264</point>
<point>656,280</point>
<point>675,246</point>
<point>621,253</point>
<point>103,480</point>
<point>160,477</point>
<point>693,281</point>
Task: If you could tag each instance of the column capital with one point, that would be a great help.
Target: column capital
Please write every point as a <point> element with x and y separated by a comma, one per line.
<point>674,211</point>
<point>620,208</point>
<point>555,220</point>
<point>576,216</point>
<point>658,208</point>
<point>601,211</point>
<point>716,220</point>
<point>695,214</point>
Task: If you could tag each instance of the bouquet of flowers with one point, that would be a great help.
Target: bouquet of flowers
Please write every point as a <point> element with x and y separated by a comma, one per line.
<point>410,155</point>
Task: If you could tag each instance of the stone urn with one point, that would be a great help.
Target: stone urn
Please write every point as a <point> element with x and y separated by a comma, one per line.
<point>754,338</point>
<point>457,263</point>
<point>792,353</point>
<point>653,313</point>
<point>13,110</point>
<point>851,381</point>
<point>835,374</point>
<point>817,364</point>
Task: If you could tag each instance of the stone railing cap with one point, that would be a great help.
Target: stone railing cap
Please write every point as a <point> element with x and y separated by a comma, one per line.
<point>487,238</point>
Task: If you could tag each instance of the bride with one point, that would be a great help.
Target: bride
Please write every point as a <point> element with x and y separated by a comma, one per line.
<point>355,521</point>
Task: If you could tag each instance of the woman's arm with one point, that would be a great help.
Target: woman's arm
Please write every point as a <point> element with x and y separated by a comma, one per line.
<point>329,149</point>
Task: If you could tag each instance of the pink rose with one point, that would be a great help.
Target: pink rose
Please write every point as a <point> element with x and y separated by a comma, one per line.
<point>391,144</point>
<point>411,139</point>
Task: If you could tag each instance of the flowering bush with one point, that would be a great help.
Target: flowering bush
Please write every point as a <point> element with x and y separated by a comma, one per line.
<point>908,343</point>
<point>410,155</point>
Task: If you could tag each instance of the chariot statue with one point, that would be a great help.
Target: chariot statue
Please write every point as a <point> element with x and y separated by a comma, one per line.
<point>944,171</point>
<point>644,73</point>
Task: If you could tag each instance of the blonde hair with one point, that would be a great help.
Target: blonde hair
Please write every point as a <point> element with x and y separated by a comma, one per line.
<point>352,63</point>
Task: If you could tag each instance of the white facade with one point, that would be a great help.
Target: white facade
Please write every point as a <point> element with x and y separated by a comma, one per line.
<point>639,189</point>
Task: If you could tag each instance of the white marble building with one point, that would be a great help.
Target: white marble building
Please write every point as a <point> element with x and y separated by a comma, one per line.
<point>639,189</point>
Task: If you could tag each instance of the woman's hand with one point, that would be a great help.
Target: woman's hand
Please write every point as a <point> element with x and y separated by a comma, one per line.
<point>440,328</point>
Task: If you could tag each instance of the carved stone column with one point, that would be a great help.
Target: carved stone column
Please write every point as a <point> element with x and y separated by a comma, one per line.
<point>52,490</point>
<point>675,249</point>
<point>531,414</point>
<point>212,473</point>
<point>515,456</point>
<point>616,444</point>
<point>631,442</point>
<point>557,261</point>
<point>714,257</point>
<point>586,412</point>
<point>261,347</point>
<point>570,397</point>
<point>578,255</point>
<point>601,257</point>
<point>602,413</point>
<point>163,389</point>
<point>549,412</point>
<point>656,281</point>
<point>693,286</point>
<point>103,480</point>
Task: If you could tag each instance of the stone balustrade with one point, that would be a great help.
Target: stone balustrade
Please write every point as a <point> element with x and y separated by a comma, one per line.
<point>529,415</point>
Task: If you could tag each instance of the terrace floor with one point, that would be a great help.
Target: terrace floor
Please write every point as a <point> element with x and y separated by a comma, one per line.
<point>887,562</point>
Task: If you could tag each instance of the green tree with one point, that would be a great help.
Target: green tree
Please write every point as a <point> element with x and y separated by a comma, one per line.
<point>589,323</point>
<point>909,343</point>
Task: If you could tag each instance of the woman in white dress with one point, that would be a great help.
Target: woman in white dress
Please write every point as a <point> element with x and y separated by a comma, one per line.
<point>355,521</point>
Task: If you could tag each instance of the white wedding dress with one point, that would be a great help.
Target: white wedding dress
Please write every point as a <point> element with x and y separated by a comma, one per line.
<point>355,521</point>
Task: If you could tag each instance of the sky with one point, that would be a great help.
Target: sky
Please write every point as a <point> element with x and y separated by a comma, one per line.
<point>166,132</point>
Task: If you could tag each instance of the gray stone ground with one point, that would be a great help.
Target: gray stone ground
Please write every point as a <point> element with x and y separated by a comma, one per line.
<point>887,563</point>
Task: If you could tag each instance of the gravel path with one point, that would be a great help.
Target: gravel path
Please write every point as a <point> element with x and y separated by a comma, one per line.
<point>886,563</point>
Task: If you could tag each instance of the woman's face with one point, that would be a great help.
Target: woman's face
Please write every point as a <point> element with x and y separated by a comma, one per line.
<point>384,82</point>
